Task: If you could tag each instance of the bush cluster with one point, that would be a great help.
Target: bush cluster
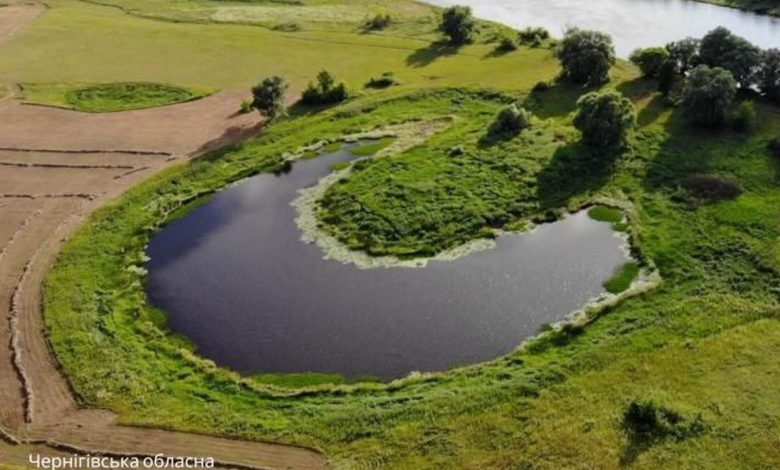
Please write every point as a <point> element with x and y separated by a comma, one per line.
<point>706,189</point>
<point>509,121</point>
<point>533,36</point>
<point>458,24</point>
<point>385,80</point>
<point>324,90</point>
<point>605,119</point>
<point>378,22</point>
<point>645,420</point>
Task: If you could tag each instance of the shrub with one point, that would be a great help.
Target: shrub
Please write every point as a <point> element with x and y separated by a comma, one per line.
<point>707,95</point>
<point>721,48</point>
<point>647,421</point>
<point>533,36</point>
<point>378,22</point>
<point>506,43</point>
<point>268,96</point>
<point>509,121</point>
<point>385,80</point>
<point>586,56</point>
<point>246,107</point>
<point>324,90</point>
<point>604,119</point>
<point>744,117</point>
<point>458,24</point>
<point>768,74</point>
<point>649,60</point>
<point>707,189</point>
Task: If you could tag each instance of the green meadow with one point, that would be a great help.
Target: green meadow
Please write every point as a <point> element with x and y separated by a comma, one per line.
<point>702,344</point>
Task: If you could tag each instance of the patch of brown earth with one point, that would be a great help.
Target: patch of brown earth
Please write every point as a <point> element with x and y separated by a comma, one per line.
<point>48,187</point>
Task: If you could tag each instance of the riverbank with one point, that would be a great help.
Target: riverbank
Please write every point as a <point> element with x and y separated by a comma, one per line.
<point>762,7</point>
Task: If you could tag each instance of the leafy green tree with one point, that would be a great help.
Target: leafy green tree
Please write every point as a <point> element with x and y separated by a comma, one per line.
<point>586,56</point>
<point>649,60</point>
<point>605,119</point>
<point>268,97</point>
<point>458,24</point>
<point>684,53</point>
<point>768,74</point>
<point>721,48</point>
<point>707,95</point>
<point>324,90</point>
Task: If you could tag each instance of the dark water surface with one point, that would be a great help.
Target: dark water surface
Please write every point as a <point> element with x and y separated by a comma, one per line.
<point>235,278</point>
<point>631,23</point>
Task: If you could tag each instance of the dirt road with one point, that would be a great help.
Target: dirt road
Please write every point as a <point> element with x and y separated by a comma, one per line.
<point>56,168</point>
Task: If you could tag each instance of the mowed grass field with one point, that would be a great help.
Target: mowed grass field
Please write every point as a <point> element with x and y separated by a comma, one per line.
<point>703,344</point>
<point>78,42</point>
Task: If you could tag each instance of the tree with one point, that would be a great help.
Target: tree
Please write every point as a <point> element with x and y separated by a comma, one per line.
<point>586,56</point>
<point>324,90</point>
<point>268,96</point>
<point>649,60</point>
<point>605,119</point>
<point>768,74</point>
<point>684,53</point>
<point>707,95</point>
<point>667,76</point>
<point>509,121</point>
<point>721,48</point>
<point>458,24</point>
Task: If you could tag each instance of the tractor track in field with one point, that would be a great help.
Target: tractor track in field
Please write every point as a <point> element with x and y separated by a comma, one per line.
<point>53,175</point>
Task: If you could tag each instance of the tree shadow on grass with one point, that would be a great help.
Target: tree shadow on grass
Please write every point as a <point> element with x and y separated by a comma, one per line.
<point>573,170</point>
<point>427,55</point>
<point>645,95</point>
<point>558,100</point>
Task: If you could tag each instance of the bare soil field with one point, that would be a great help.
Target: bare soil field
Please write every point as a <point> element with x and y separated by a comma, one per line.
<point>57,167</point>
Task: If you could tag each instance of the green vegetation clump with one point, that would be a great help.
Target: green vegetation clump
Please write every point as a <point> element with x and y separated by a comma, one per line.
<point>509,121</point>
<point>721,48</point>
<point>606,214</point>
<point>707,189</point>
<point>743,119</point>
<point>324,91</point>
<point>372,148</point>
<point>268,97</point>
<point>533,36</point>
<point>378,22</point>
<point>605,119</point>
<point>707,95</point>
<point>586,56</point>
<point>386,80</point>
<point>622,279</point>
<point>506,43</point>
<point>647,421</point>
<point>109,97</point>
<point>458,24</point>
<point>768,74</point>
<point>649,60</point>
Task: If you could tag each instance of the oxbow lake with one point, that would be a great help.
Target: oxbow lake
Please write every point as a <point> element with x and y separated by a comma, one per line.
<point>631,23</point>
<point>235,278</point>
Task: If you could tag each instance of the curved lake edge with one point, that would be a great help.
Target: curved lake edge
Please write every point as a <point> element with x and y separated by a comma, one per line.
<point>647,279</point>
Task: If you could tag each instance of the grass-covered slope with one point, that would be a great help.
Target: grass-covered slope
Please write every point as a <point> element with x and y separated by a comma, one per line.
<point>126,48</point>
<point>702,344</point>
